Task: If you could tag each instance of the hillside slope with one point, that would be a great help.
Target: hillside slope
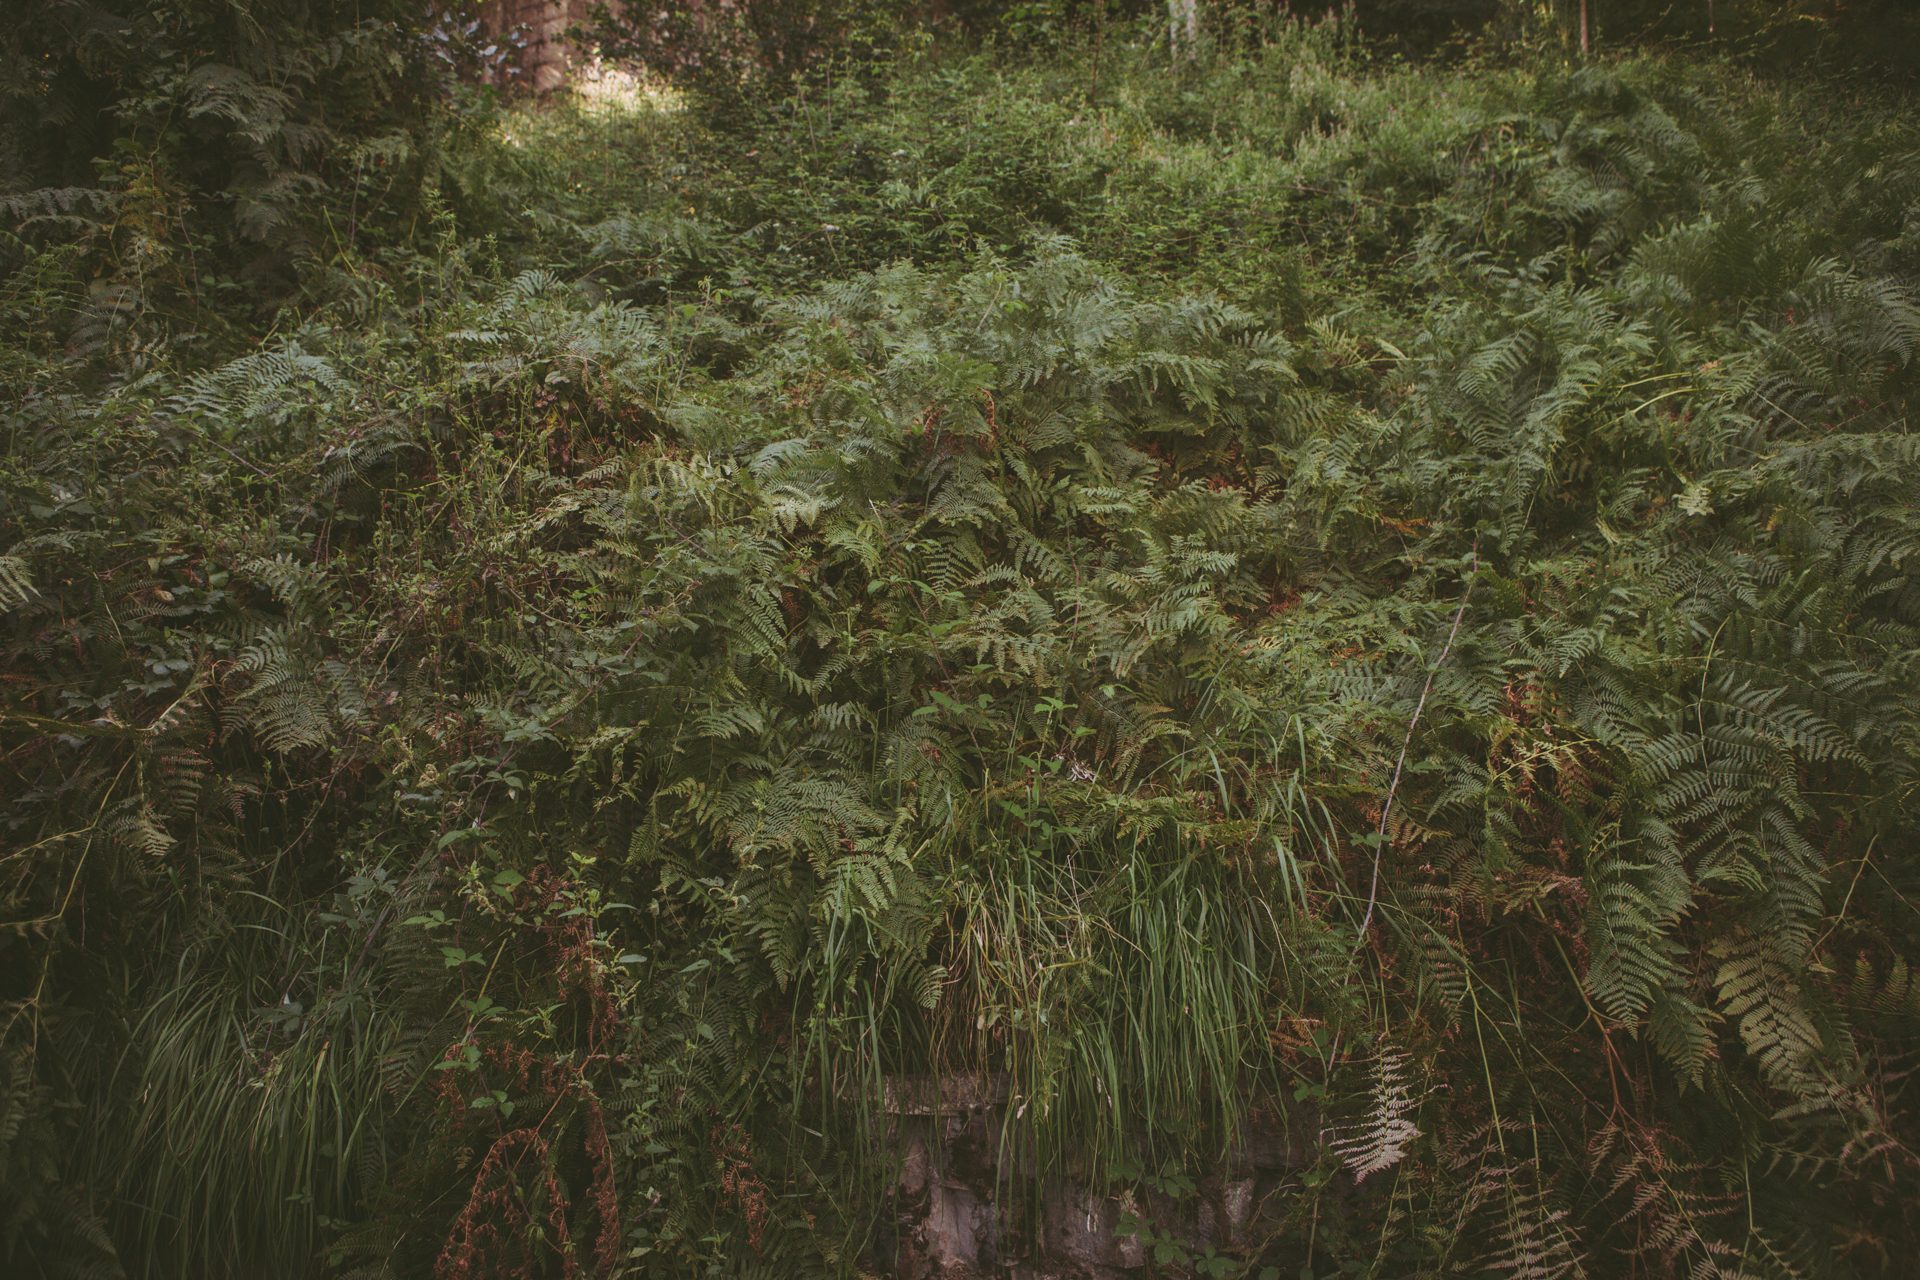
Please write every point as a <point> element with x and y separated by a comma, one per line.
<point>1304,592</point>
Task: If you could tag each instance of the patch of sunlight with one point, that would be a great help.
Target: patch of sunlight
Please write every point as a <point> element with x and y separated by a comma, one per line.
<point>618,89</point>
<point>597,93</point>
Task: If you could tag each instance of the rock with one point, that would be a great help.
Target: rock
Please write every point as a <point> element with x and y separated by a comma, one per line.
<point>1078,1226</point>
<point>959,1230</point>
<point>916,1165</point>
<point>966,1206</point>
<point>1239,1201</point>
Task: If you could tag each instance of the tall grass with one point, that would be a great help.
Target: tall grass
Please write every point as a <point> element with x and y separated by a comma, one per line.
<point>251,1103</point>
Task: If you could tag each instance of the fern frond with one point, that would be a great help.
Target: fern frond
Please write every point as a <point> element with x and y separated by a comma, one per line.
<point>1382,1137</point>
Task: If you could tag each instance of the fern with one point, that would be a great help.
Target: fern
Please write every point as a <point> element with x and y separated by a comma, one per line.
<point>643,701</point>
<point>1382,1137</point>
<point>1757,987</point>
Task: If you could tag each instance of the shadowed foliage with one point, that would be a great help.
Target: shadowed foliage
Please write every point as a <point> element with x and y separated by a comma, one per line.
<point>1285,584</point>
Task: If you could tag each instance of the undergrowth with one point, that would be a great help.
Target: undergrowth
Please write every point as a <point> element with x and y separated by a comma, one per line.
<point>1293,582</point>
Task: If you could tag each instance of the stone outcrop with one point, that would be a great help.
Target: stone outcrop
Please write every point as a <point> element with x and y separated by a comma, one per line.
<point>966,1202</point>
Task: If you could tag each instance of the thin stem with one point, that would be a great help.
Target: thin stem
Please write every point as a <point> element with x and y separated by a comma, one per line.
<point>1386,806</point>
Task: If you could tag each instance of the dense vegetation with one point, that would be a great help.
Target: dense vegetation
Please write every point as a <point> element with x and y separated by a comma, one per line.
<point>550,651</point>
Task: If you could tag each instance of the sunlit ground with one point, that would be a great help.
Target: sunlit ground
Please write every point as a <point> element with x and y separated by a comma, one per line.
<point>611,88</point>
<point>610,127</point>
<point>599,91</point>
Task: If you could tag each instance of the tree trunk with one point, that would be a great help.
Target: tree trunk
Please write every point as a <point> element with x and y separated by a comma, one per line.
<point>1183,29</point>
<point>543,24</point>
